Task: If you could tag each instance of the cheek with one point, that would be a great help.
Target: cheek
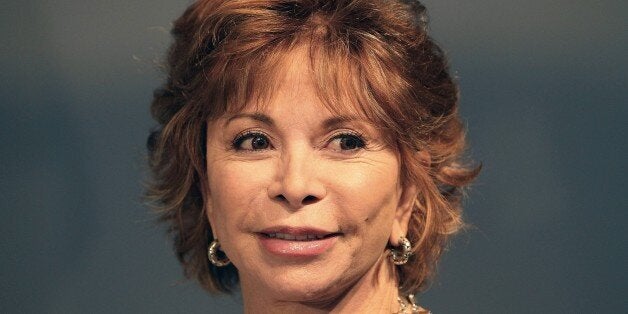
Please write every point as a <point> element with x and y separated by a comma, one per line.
<point>236,190</point>
<point>374,182</point>
<point>368,192</point>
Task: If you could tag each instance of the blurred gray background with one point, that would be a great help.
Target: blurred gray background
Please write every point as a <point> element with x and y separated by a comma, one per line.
<point>544,94</point>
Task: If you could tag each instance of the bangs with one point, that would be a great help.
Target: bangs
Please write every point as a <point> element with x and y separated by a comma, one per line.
<point>349,82</point>
<point>369,60</point>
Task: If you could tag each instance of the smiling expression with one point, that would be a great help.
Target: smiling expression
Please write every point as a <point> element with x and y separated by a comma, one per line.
<point>304,201</point>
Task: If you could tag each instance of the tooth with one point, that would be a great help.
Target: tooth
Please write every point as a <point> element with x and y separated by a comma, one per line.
<point>290,237</point>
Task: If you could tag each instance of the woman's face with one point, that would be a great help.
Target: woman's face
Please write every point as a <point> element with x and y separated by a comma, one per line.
<point>303,201</point>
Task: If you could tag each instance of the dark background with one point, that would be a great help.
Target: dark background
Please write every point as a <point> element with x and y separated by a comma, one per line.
<point>544,95</point>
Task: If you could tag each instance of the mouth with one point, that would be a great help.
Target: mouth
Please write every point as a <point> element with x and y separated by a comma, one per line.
<point>297,237</point>
<point>289,242</point>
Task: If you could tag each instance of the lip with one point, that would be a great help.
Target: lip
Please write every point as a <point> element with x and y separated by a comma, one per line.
<point>297,241</point>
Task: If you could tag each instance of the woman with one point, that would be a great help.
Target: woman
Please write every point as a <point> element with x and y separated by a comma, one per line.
<point>308,152</point>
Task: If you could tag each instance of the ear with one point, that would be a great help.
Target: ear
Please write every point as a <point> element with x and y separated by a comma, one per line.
<point>207,204</point>
<point>403,213</point>
<point>405,205</point>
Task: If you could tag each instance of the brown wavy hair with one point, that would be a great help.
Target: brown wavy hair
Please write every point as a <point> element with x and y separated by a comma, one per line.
<point>372,57</point>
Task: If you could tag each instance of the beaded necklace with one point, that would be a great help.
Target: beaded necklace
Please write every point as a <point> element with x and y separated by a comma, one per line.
<point>407,305</point>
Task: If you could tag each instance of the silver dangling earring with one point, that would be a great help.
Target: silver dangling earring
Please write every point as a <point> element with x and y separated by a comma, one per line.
<point>401,257</point>
<point>213,257</point>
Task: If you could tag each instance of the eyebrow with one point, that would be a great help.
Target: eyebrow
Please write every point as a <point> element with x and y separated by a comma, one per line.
<point>336,121</point>
<point>329,123</point>
<point>254,116</point>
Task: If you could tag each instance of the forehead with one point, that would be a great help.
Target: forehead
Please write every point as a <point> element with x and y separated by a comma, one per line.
<point>303,73</point>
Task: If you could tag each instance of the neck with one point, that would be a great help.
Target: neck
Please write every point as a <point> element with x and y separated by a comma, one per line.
<point>375,292</point>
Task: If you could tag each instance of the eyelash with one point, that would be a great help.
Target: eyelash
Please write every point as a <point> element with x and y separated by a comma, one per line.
<point>363,144</point>
<point>240,138</point>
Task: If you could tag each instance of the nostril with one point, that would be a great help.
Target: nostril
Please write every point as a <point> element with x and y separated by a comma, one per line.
<point>309,200</point>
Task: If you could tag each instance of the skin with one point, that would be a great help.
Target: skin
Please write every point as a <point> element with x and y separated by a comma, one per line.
<point>307,172</point>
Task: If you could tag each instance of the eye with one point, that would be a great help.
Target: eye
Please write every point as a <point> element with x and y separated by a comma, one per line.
<point>347,142</point>
<point>251,141</point>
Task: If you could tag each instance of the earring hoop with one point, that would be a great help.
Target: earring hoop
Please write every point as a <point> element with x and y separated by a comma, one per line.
<point>401,257</point>
<point>213,257</point>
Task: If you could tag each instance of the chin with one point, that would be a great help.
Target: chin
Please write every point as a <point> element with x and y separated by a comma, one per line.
<point>305,284</point>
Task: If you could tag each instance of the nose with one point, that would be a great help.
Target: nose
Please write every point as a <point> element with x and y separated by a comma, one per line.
<point>297,180</point>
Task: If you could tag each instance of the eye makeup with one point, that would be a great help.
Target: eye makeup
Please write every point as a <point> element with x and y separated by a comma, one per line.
<point>347,141</point>
<point>251,140</point>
